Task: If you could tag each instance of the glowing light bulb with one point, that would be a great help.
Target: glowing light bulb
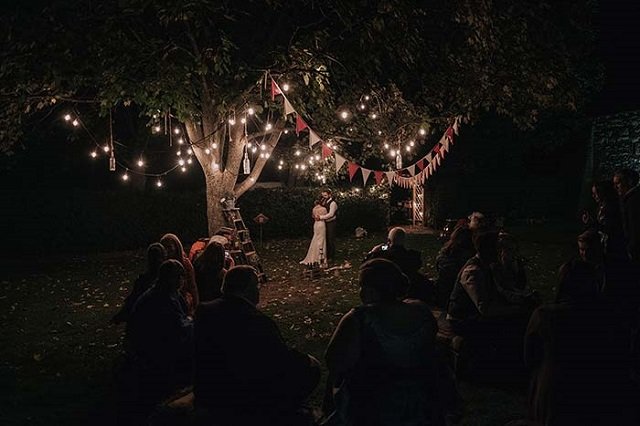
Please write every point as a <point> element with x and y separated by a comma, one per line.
<point>379,132</point>
<point>411,143</point>
<point>178,153</point>
<point>156,129</point>
<point>367,97</point>
<point>176,131</point>
<point>215,167</point>
<point>357,189</point>
<point>232,121</point>
<point>263,147</point>
<point>67,117</point>
<point>243,120</point>
<point>189,151</point>
<point>93,154</point>
<point>392,153</point>
<point>268,127</point>
<point>105,148</point>
<point>303,166</point>
<point>317,157</point>
<point>254,149</point>
<point>285,87</point>
<point>207,151</point>
<point>75,123</point>
<point>279,166</point>
<point>286,131</point>
<point>297,153</point>
<point>159,183</point>
<point>422,131</point>
<point>262,155</point>
<point>362,106</point>
<point>180,141</point>
<point>140,163</point>
<point>189,161</point>
<point>125,177</point>
<point>297,166</point>
<point>408,148</point>
<point>214,145</point>
<point>386,146</point>
<point>181,162</point>
<point>183,169</point>
<point>374,116</point>
<point>344,115</point>
<point>252,179</point>
<point>267,155</point>
<point>251,111</point>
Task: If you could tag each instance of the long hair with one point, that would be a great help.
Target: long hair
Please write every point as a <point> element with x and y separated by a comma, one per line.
<point>156,254</point>
<point>460,239</point>
<point>173,239</point>
<point>212,258</point>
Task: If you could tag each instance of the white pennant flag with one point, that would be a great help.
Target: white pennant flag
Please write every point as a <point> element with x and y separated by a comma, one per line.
<point>313,138</point>
<point>390,176</point>
<point>288,108</point>
<point>365,175</point>
<point>438,159</point>
<point>445,147</point>
<point>456,125</point>
<point>412,169</point>
<point>340,160</point>
<point>429,157</point>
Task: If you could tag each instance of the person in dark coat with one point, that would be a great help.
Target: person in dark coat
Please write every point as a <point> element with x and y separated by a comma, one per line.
<point>626,184</point>
<point>156,254</point>
<point>452,257</point>
<point>210,271</point>
<point>608,219</point>
<point>160,334</point>
<point>578,376</point>
<point>510,276</point>
<point>244,371</point>
<point>408,260</point>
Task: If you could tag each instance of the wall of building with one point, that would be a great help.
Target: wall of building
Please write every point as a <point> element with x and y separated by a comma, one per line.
<point>615,143</point>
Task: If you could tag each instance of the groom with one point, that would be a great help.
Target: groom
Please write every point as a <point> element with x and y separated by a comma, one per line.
<point>330,221</point>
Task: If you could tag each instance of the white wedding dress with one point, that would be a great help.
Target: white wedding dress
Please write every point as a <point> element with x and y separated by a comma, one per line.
<point>317,252</point>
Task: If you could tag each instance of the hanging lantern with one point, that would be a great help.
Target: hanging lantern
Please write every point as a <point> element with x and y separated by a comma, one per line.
<point>246,164</point>
<point>398,160</point>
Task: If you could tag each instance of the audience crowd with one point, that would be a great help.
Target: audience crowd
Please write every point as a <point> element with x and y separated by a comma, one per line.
<point>196,338</point>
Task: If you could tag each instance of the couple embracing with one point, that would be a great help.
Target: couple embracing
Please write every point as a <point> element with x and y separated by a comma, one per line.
<point>323,244</point>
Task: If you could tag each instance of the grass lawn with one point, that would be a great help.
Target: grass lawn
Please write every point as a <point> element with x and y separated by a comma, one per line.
<point>57,349</point>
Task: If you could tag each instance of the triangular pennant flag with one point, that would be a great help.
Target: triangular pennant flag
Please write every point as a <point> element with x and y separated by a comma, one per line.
<point>353,169</point>
<point>445,147</point>
<point>378,176</point>
<point>275,90</point>
<point>456,127</point>
<point>326,151</point>
<point>412,169</point>
<point>439,159</point>
<point>313,138</point>
<point>420,164</point>
<point>429,157</point>
<point>300,124</point>
<point>365,175</point>
<point>288,108</point>
<point>390,177</point>
<point>448,134</point>
<point>340,160</point>
<point>436,148</point>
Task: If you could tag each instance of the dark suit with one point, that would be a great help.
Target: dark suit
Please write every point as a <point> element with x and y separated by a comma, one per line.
<point>243,368</point>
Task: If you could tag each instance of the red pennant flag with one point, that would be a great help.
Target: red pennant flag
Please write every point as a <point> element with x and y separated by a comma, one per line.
<point>326,151</point>
<point>420,164</point>
<point>275,90</point>
<point>436,148</point>
<point>300,124</point>
<point>378,175</point>
<point>449,134</point>
<point>353,169</point>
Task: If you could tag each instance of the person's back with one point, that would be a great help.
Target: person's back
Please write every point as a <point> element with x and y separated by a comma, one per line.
<point>451,258</point>
<point>209,271</point>
<point>243,368</point>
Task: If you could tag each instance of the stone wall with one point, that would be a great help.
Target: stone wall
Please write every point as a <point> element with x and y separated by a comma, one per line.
<point>615,143</point>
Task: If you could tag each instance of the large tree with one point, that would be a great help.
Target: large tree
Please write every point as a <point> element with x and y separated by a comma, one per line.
<point>202,62</point>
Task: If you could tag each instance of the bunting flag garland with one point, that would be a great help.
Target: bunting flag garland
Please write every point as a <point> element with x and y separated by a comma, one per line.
<point>378,176</point>
<point>365,175</point>
<point>326,151</point>
<point>426,165</point>
<point>288,108</point>
<point>275,90</point>
<point>353,169</point>
<point>313,138</point>
<point>300,124</point>
<point>340,160</point>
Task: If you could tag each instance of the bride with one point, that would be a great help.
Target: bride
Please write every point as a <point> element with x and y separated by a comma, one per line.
<point>318,247</point>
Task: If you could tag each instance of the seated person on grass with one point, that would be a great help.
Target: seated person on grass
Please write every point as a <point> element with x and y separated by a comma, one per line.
<point>408,260</point>
<point>244,371</point>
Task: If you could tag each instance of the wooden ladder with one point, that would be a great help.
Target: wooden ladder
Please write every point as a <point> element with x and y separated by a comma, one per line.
<point>243,251</point>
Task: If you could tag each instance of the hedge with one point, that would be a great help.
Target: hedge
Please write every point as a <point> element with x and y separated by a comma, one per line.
<point>74,220</point>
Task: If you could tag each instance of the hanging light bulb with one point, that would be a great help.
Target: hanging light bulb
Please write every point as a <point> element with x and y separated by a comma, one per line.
<point>207,151</point>
<point>215,166</point>
<point>156,129</point>
<point>362,106</point>
<point>268,127</point>
<point>176,130</point>
<point>399,160</point>
<point>267,155</point>
<point>93,154</point>
<point>297,166</point>
<point>281,162</point>
<point>180,141</point>
<point>422,131</point>
<point>125,176</point>
<point>285,87</point>
<point>189,161</point>
<point>303,166</point>
<point>183,169</point>
<point>246,164</point>
<point>232,121</point>
<point>75,123</point>
<point>408,148</point>
<point>379,132</point>
<point>181,162</point>
<point>286,131</point>
<point>392,153</point>
<point>374,116</point>
<point>243,120</point>
<point>67,117</point>
<point>189,151</point>
<point>279,166</point>
<point>386,145</point>
<point>253,150</point>
<point>251,111</point>
<point>344,114</point>
<point>178,153</point>
<point>411,143</point>
<point>105,148</point>
<point>317,157</point>
<point>112,163</point>
<point>367,97</point>
<point>140,163</point>
<point>297,153</point>
<point>262,155</point>
<point>159,183</point>
<point>214,145</point>
<point>263,147</point>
